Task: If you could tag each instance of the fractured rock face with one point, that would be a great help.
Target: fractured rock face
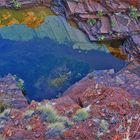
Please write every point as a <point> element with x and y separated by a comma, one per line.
<point>132,47</point>
<point>10,94</point>
<point>104,20</point>
<point>2,3</point>
<point>128,78</point>
<point>24,3</point>
<point>99,19</point>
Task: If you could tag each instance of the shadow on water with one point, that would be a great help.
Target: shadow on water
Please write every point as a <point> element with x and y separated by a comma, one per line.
<point>49,68</point>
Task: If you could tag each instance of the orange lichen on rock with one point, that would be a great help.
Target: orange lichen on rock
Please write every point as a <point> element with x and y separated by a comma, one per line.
<point>114,48</point>
<point>33,18</point>
<point>12,22</point>
<point>32,21</point>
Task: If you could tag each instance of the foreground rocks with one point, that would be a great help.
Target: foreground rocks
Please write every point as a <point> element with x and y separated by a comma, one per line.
<point>128,78</point>
<point>91,109</point>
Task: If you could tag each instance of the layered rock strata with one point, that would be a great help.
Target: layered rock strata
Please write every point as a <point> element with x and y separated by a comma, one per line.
<point>10,94</point>
<point>106,20</point>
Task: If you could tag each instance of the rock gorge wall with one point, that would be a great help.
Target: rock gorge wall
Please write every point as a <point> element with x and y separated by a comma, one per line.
<point>133,2</point>
<point>105,20</point>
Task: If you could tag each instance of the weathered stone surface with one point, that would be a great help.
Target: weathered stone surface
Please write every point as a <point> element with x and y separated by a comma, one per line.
<point>104,20</point>
<point>131,46</point>
<point>111,111</point>
<point>128,78</point>
<point>10,94</point>
<point>2,3</point>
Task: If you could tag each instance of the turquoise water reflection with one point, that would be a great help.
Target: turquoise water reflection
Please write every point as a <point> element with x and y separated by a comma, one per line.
<point>50,63</point>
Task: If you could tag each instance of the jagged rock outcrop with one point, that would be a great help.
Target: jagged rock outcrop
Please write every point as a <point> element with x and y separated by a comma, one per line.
<point>23,3</point>
<point>105,20</point>
<point>106,112</point>
<point>128,78</point>
<point>131,46</point>
<point>10,94</point>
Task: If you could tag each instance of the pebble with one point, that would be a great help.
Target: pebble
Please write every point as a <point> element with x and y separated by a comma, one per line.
<point>37,135</point>
<point>97,102</point>
<point>16,122</point>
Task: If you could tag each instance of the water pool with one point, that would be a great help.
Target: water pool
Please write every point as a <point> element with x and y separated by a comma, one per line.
<point>50,61</point>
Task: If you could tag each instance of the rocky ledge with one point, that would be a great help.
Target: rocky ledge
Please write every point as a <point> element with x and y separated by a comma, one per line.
<point>91,109</point>
<point>11,94</point>
<point>106,20</point>
<point>99,19</point>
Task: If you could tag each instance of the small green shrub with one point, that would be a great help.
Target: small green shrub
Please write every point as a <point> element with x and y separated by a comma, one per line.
<point>50,111</point>
<point>113,24</point>
<point>58,81</point>
<point>3,106</point>
<point>104,125</point>
<point>110,33</point>
<point>65,121</point>
<point>81,115</point>
<point>55,129</point>
<point>134,12</point>
<point>20,84</point>
<point>58,125</point>
<point>5,112</point>
<point>58,128</point>
<point>102,37</point>
<point>100,13</point>
<point>17,5</point>
<point>91,22</point>
<point>29,112</point>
